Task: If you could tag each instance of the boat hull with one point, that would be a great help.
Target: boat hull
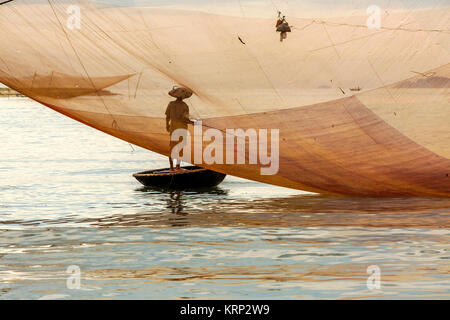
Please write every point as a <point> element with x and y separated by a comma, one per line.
<point>191,178</point>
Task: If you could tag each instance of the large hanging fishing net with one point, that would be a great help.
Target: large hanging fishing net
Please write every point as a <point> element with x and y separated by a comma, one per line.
<point>360,110</point>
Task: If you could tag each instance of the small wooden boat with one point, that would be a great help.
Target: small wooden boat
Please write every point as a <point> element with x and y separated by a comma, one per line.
<point>191,177</point>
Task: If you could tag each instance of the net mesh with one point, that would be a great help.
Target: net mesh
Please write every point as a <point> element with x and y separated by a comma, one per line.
<point>336,78</point>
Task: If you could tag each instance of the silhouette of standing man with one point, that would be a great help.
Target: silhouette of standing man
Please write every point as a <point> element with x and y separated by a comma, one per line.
<point>177,117</point>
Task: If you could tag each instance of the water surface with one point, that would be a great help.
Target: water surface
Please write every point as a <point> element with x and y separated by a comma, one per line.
<point>67,198</point>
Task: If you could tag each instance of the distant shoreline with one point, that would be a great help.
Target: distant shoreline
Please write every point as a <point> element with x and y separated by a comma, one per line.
<point>7,92</point>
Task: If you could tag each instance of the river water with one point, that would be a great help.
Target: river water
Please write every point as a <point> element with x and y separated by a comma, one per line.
<point>68,199</point>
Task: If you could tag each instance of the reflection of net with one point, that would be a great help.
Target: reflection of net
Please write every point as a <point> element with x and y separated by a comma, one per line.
<point>114,74</point>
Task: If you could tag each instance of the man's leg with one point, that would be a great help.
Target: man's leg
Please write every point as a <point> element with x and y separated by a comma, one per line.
<point>183,143</point>
<point>171,163</point>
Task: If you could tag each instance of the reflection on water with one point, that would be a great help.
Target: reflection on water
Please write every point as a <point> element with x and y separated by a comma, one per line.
<point>214,207</point>
<point>70,200</point>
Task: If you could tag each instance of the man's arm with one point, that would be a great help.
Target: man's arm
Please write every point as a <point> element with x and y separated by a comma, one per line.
<point>168,118</point>
<point>186,115</point>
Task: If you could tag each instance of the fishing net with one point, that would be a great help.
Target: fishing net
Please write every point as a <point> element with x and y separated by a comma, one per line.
<point>112,69</point>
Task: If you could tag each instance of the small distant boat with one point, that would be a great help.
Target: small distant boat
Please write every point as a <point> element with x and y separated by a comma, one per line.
<point>358,88</point>
<point>191,177</point>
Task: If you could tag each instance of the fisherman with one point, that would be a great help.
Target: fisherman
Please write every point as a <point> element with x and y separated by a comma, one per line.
<point>279,21</point>
<point>282,26</point>
<point>177,117</point>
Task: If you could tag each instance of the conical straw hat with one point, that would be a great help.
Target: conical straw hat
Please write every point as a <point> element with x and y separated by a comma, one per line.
<point>179,92</point>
